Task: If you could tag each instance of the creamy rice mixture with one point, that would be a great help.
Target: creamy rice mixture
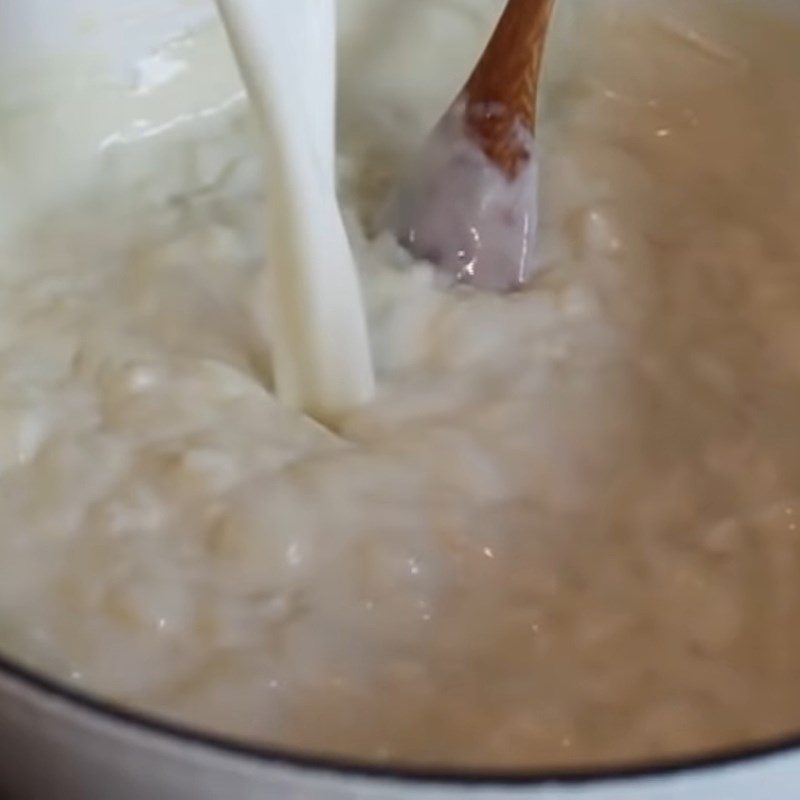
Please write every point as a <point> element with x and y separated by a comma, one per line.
<point>567,529</point>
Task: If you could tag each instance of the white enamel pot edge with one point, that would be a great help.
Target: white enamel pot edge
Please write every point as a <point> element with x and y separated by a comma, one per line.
<point>55,744</point>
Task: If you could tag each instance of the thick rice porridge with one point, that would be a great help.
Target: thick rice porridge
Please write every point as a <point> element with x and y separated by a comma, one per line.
<point>566,531</point>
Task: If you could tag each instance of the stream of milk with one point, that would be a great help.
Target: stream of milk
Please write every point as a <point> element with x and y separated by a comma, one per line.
<point>310,294</point>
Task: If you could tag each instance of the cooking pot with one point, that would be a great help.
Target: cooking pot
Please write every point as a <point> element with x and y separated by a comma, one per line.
<point>59,744</point>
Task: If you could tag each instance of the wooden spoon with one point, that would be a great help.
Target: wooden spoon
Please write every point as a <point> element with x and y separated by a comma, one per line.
<point>470,203</point>
<point>501,93</point>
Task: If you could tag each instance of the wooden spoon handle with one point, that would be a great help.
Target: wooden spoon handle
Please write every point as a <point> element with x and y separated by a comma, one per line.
<point>501,93</point>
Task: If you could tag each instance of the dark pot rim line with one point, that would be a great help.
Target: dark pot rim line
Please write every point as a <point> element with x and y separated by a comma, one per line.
<point>343,768</point>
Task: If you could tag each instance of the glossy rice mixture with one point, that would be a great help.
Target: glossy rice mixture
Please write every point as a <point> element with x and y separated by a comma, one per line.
<point>567,530</point>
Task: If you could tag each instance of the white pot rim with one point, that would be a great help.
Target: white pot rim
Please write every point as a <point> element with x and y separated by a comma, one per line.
<point>177,734</point>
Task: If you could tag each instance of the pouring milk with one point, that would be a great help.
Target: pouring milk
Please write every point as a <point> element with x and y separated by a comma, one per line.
<point>311,296</point>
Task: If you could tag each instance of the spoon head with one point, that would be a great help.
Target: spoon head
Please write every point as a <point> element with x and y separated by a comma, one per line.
<point>460,210</point>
